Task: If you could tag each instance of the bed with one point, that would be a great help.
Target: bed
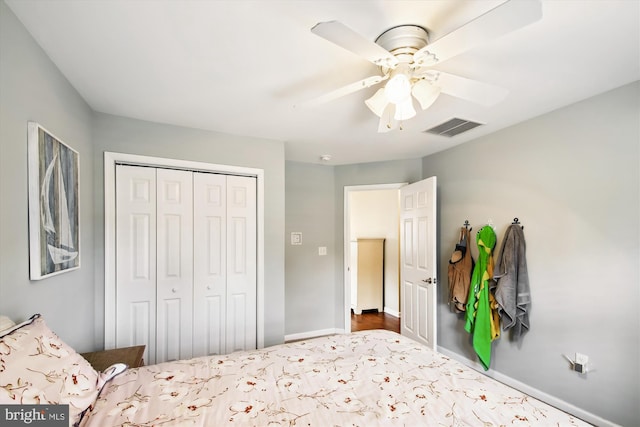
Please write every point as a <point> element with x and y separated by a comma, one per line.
<point>364,378</point>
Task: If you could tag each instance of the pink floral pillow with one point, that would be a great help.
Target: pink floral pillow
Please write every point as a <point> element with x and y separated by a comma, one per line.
<point>36,367</point>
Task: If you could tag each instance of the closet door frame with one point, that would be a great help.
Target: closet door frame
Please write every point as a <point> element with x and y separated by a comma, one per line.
<point>111,159</point>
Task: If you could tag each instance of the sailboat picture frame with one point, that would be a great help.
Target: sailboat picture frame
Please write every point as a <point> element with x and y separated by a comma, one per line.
<point>54,208</point>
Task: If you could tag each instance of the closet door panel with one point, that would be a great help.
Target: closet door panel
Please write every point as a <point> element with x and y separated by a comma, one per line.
<point>209,263</point>
<point>186,262</point>
<point>170,330</point>
<point>241,263</point>
<point>175,265</point>
<point>211,330</point>
<point>237,321</point>
<point>136,258</point>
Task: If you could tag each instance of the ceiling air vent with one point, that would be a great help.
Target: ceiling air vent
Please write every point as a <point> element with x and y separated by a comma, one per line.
<point>453,127</point>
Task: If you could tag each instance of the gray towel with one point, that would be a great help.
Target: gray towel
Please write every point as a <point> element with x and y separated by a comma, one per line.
<point>511,282</point>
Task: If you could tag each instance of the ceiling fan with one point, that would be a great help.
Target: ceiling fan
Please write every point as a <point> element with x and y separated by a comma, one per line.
<point>405,57</point>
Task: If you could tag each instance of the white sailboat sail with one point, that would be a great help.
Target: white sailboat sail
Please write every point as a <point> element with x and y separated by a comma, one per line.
<point>45,205</point>
<point>65,251</point>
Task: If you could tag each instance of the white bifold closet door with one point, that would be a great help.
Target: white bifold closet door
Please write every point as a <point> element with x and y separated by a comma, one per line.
<point>186,262</point>
<point>224,263</point>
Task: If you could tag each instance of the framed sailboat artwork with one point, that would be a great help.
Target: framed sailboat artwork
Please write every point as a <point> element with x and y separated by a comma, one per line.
<point>54,208</point>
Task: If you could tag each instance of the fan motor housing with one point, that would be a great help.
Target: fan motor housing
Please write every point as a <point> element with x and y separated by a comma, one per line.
<point>403,41</point>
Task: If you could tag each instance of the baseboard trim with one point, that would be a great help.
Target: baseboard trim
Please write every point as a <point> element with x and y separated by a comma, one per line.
<point>531,391</point>
<point>392,312</point>
<point>312,334</point>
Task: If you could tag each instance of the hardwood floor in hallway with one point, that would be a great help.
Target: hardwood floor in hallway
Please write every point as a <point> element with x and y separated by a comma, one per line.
<point>375,320</point>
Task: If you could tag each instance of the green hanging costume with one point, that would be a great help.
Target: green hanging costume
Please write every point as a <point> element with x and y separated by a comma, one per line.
<point>482,320</point>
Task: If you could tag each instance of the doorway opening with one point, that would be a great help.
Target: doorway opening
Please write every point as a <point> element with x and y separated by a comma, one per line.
<point>372,211</point>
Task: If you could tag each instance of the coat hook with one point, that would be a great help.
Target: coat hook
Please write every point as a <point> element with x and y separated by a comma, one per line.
<point>490,224</point>
<point>516,221</point>
<point>467,225</point>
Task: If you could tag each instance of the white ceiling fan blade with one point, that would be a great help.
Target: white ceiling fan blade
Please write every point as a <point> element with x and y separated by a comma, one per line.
<point>503,19</point>
<point>345,37</point>
<point>471,90</point>
<point>346,90</point>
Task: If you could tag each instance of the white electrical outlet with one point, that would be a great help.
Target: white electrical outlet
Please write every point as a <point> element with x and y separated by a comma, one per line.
<point>580,363</point>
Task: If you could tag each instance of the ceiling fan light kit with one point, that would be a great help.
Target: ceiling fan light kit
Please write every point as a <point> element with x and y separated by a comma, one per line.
<point>425,92</point>
<point>405,56</point>
<point>387,121</point>
<point>398,88</point>
<point>404,110</point>
<point>402,42</point>
<point>378,102</point>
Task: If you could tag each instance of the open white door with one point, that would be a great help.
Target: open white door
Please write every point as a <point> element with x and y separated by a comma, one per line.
<point>418,261</point>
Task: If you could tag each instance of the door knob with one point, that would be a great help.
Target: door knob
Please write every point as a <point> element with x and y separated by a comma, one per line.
<point>174,290</point>
<point>427,280</point>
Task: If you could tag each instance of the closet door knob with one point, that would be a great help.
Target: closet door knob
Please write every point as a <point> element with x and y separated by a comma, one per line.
<point>209,287</point>
<point>174,290</point>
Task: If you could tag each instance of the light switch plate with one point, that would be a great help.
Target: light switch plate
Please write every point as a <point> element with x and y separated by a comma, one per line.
<point>296,238</point>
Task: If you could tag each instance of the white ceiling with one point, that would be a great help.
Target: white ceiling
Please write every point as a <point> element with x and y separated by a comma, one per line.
<point>244,67</point>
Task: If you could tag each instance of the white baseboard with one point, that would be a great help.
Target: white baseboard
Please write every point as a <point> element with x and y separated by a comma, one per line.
<point>392,312</point>
<point>531,391</point>
<point>312,334</point>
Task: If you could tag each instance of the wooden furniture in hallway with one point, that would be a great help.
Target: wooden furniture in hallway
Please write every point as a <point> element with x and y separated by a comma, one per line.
<point>367,275</point>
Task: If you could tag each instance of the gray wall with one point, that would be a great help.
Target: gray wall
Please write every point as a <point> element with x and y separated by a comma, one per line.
<point>363,174</point>
<point>571,177</point>
<point>123,135</point>
<point>313,190</point>
<point>310,286</point>
<point>32,89</point>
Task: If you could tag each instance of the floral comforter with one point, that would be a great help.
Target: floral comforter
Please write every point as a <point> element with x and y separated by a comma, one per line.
<point>365,378</point>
